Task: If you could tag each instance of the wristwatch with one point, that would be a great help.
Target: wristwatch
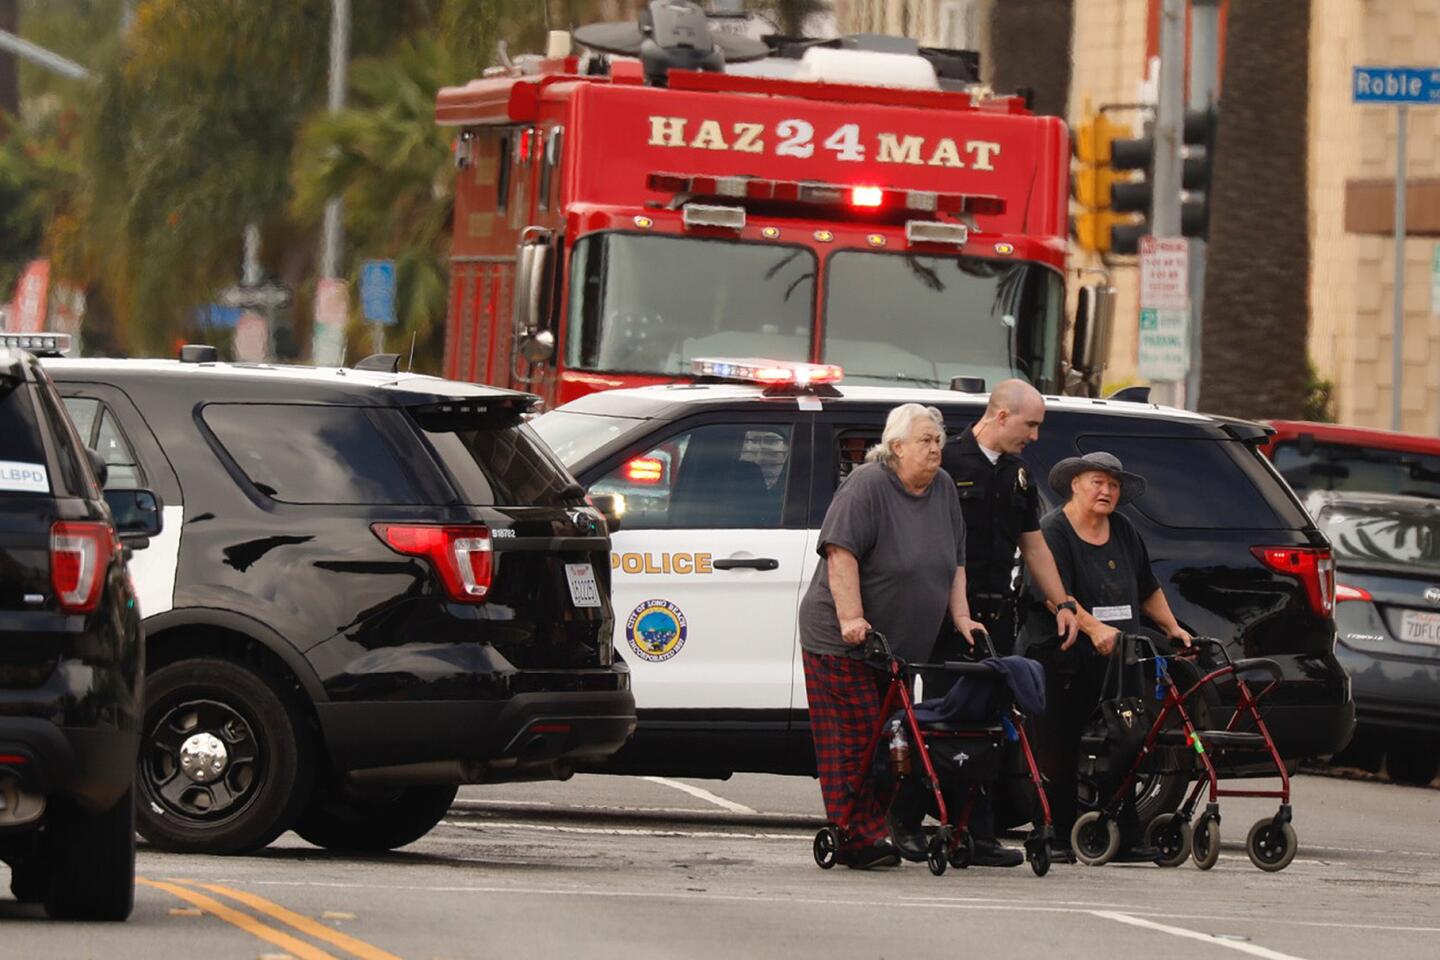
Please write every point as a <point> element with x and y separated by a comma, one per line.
<point>1067,605</point>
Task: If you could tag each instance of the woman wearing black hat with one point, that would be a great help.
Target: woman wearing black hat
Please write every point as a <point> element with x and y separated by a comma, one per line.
<point>1101,556</point>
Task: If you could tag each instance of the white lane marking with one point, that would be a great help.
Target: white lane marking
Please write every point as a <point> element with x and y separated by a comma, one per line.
<point>700,793</point>
<point>978,903</point>
<point>1255,950</point>
<point>621,831</point>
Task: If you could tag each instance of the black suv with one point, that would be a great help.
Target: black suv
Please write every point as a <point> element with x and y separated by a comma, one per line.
<point>373,587</point>
<point>726,486</point>
<point>71,659</point>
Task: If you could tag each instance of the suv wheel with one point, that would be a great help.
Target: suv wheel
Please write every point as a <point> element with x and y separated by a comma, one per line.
<point>91,861</point>
<point>225,759</point>
<point>375,822</point>
<point>1412,760</point>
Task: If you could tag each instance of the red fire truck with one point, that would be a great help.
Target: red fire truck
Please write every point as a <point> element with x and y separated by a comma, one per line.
<point>618,218</point>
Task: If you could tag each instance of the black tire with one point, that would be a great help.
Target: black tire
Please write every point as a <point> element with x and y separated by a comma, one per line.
<point>268,767</point>
<point>1095,838</point>
<point>936,855</point>
<point>376,822</point>
<point>1158,794</point>
<point>1365,751</point>
<point>826,847</point>
<point>1039,859</point>
<point>1413,764</point>
<point>90,860</point>
<point>1170,833</point>
<point>1271,847</point>
<point>1205,844</point>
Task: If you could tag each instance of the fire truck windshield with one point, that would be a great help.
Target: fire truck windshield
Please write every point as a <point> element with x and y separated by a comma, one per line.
<point>896,318</point>
<point>642,303</point>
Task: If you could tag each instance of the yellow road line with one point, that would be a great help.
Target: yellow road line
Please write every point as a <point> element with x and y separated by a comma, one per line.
<point>292,945</point>
<point>304,924</point>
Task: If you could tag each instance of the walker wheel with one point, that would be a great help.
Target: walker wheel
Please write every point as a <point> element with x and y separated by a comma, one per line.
<point>826,847</point>
<point>1170,834</point>
<point>964,853</point>
<point>1095,838</point>
<point>1206,845</point>
<point>1271,845</point>
<point>1039,857</point>
<point>935,855</point>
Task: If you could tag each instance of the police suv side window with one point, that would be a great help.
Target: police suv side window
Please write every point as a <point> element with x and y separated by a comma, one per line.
<point>298,453</point>
<point>100,431</point>
<point>719,476</point>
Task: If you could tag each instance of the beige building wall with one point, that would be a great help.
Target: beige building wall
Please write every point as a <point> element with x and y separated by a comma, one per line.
<point>1352,286</point>
<point>1109,67</point>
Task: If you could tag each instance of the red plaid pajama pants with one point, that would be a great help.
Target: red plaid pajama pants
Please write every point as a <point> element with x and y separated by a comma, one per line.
<point>845,697</point>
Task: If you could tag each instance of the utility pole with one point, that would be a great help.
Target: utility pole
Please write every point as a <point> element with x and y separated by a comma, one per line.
<point>1204,92</point>
<point>1169,138</point>
<point>332,238</point>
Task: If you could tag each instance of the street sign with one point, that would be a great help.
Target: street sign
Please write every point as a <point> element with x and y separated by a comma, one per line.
<point>1164,344</point>
<point>32,293</point>
<point>252,338</point>
<point>1164,273</point>
<point>1396,85</point>
<point>377,291</point>
<point>265,296</point>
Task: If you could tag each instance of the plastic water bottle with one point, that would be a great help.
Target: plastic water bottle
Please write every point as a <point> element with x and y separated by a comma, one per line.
<point>899,750</point>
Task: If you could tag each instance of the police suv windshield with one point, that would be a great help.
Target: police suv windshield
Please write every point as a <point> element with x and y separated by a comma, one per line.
<point>902,318</point>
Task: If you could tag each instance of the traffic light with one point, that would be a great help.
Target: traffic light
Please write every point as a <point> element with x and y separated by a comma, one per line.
<point>1108,194</point>
<point>1198,166</point>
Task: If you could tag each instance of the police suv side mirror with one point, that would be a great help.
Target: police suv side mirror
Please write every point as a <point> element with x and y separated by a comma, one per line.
<point>137,516</point>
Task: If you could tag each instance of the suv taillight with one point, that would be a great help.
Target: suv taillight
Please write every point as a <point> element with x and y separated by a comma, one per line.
<point>79,558</point>
<point>461,555</point>
<point>1313,565</point>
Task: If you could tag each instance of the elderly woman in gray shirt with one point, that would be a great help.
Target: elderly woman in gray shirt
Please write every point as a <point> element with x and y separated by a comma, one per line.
<point>892,551</point>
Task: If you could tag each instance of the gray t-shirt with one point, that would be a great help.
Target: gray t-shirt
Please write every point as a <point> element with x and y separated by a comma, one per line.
<point>909,548</point>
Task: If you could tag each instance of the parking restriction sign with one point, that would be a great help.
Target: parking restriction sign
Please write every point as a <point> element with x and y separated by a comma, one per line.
<point>1164,273</point>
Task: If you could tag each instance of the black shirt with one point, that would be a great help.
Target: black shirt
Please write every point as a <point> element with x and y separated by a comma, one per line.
<point>999,501</point>
<point>1109,580</point>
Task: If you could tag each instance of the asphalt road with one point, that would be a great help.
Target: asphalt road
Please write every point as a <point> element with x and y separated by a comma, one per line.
<point>636,868</point>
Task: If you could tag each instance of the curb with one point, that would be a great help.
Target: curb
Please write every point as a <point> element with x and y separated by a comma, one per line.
<point>482,809</point>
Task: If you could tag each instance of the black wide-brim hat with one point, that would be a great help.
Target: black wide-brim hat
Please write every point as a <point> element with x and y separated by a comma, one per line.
<point>1131,484</point>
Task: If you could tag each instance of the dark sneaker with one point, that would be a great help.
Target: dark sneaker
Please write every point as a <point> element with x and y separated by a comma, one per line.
<point>990,853</point>
<point>908,843</point>
<point>870,857</point>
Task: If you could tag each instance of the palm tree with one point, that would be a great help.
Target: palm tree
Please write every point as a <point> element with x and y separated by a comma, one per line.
<point>1257,307</point>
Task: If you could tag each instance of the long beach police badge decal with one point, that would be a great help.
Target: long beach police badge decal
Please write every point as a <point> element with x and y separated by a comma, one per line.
<point>656,630</point>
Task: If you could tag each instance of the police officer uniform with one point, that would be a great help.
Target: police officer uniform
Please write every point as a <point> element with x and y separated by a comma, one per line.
<point>1000,502</point>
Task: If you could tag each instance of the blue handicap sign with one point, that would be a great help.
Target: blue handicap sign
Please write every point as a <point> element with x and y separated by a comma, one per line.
<point>377,291</point>
<point>1396,85</point>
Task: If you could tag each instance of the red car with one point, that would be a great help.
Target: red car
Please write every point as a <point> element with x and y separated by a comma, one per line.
<point>1327,456</point>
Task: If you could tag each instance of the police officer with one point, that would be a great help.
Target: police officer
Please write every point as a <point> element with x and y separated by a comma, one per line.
<point>1002,514</point>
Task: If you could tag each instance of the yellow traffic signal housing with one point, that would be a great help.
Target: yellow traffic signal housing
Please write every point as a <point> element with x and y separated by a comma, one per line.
<point>1092,186</point>
<point>1105,231</point>
<point>1093,137</point>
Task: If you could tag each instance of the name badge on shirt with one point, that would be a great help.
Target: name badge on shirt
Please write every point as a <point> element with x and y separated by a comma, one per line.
<point>1112,614</point>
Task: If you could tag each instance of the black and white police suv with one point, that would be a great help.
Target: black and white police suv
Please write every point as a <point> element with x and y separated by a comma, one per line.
<point>725,486</point>
<point>371,587</point>
<point>71,655</point>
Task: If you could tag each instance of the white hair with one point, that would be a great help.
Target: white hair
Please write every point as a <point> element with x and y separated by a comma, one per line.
<point>897,428</point>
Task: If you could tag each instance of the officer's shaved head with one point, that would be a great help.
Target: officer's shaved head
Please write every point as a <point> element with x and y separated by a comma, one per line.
<point>1011,395</point>
<point>1012,418</point>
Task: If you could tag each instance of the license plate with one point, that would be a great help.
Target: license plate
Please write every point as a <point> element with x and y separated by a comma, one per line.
<point>1419,627</point>
<point>584,591</point>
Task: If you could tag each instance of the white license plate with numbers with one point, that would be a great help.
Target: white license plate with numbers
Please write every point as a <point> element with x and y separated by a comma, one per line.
<point>584,591</point>
<point>1416,626</point>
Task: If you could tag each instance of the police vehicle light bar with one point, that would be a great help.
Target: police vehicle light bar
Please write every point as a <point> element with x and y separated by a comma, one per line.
<point>770,373</point>
<point>827,194</point>
<point>41,344</point>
